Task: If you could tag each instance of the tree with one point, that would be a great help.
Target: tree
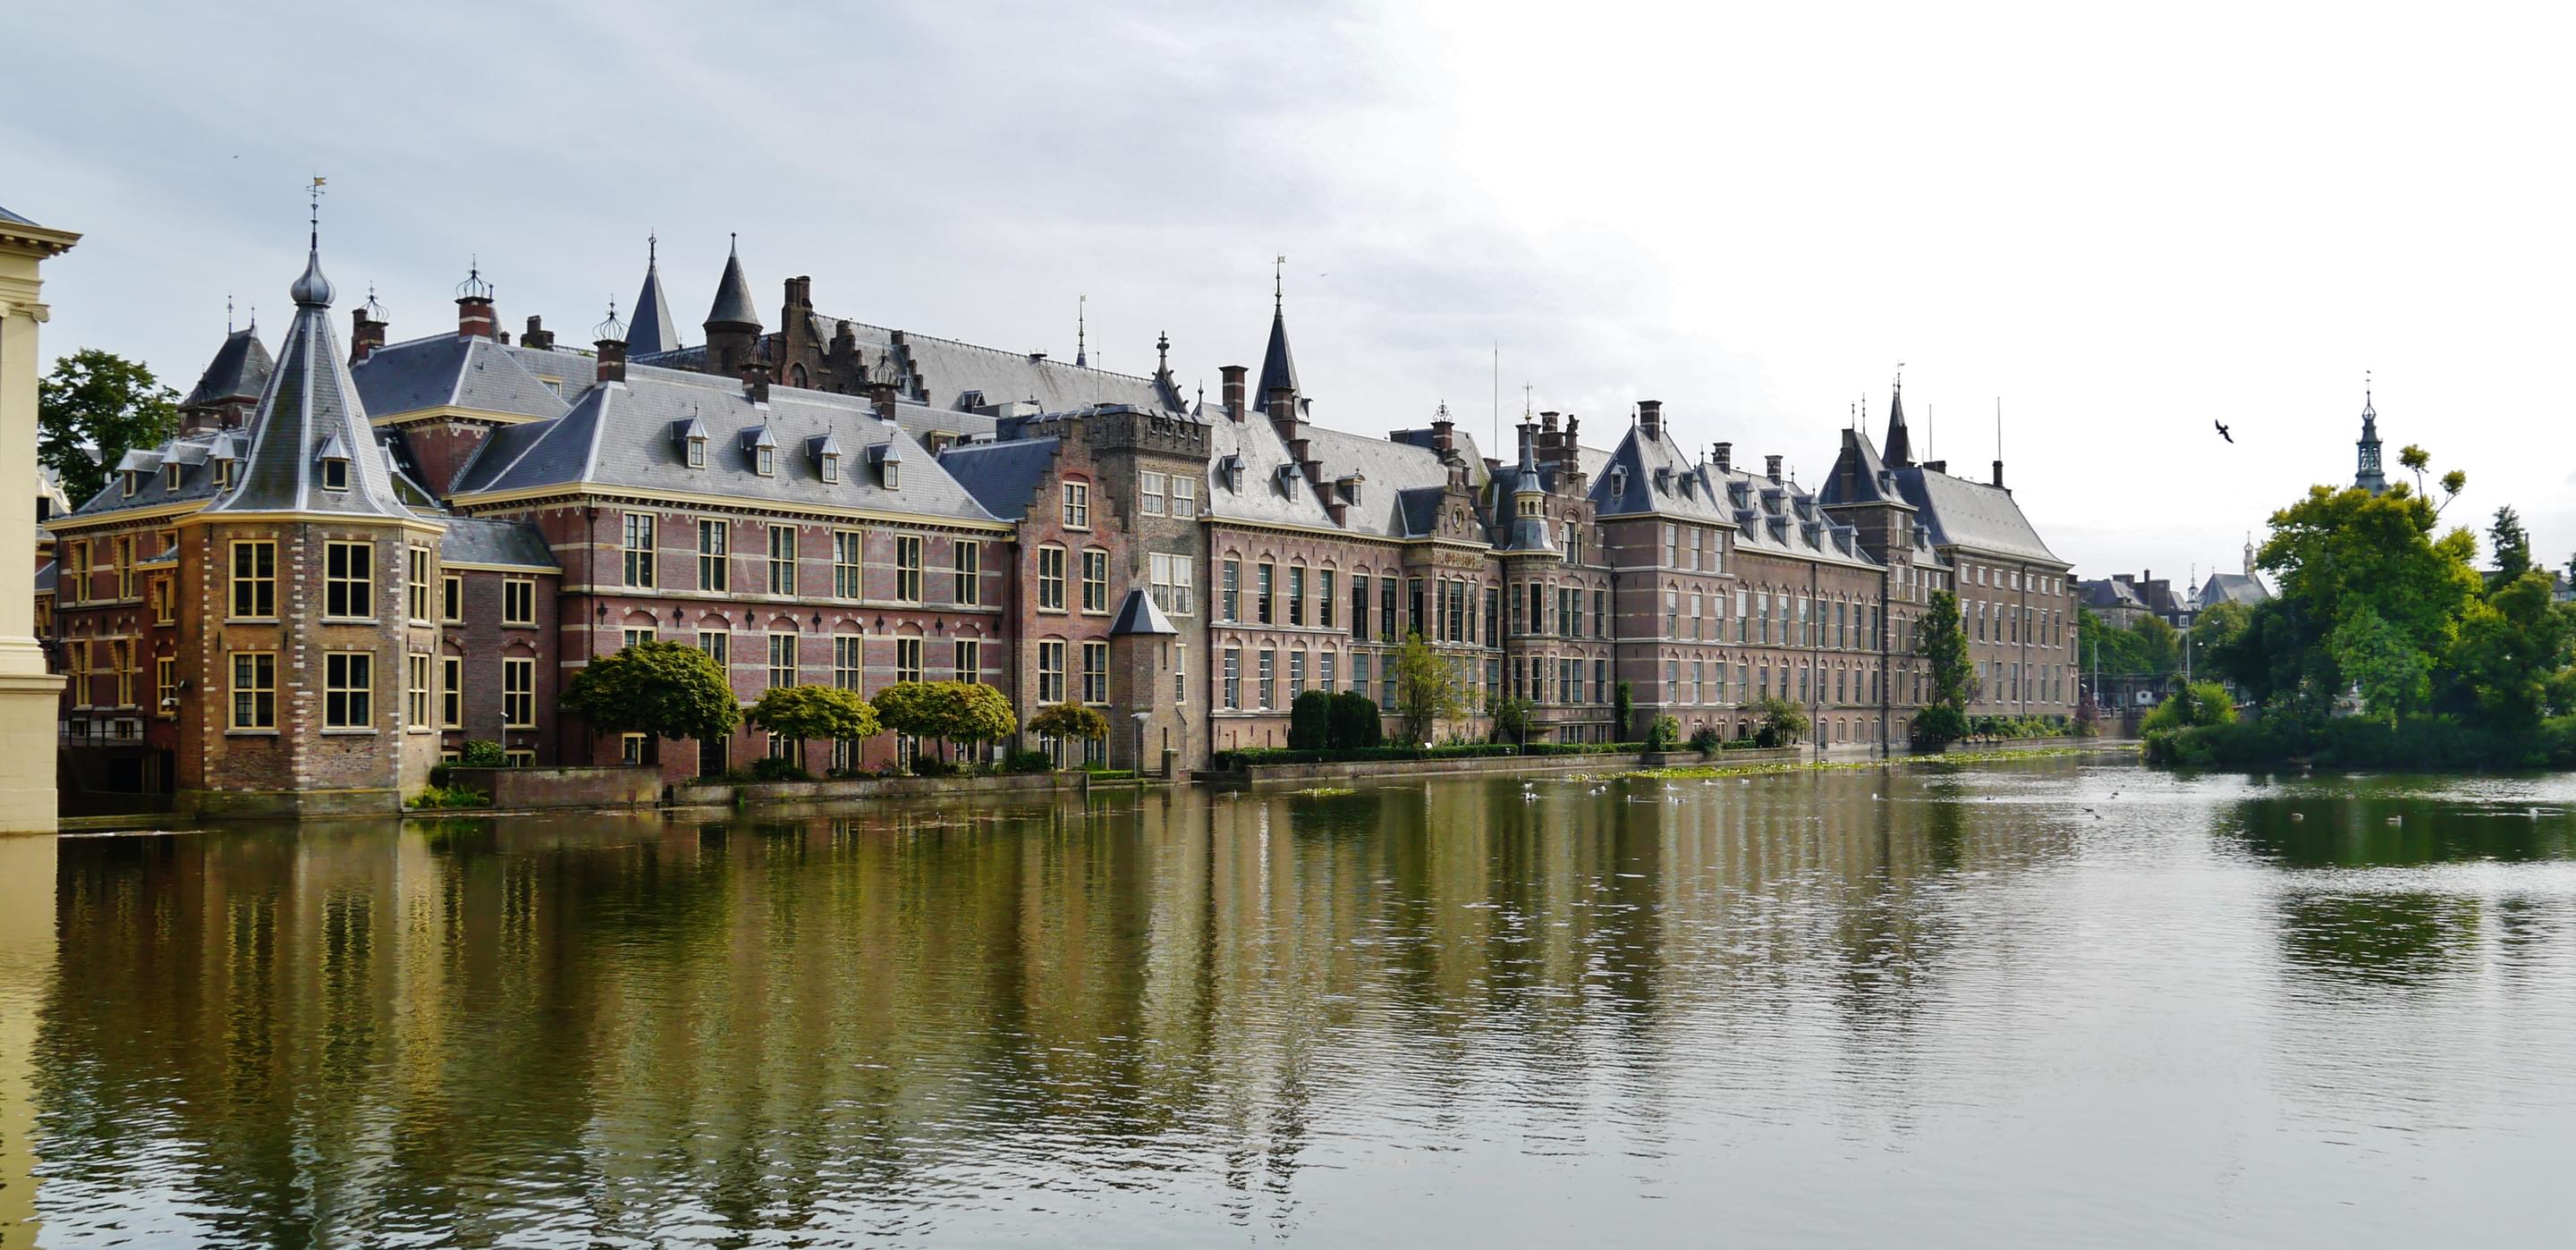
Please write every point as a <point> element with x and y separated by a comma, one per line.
<point>807,712</point>
<point>2343,555</point>
<point>2510,545</point>
<point>1941,636</point>
<point>2419,461</point>
<point>1939,725</point>
<point>1310,721</point>
<point>2511,648</point>
<point>1624,703</point>
<point>1427,691</point>
<point>949,711</point>
<point>1355,721</point>
<point>2392,676</point>
<point>102,401</point>
<point>2197,703</point>
<point>661,689</point>
<point>1511,717</point>
<point>1070,721</point>
<point>2219,627</point>
<point>1783,722</point>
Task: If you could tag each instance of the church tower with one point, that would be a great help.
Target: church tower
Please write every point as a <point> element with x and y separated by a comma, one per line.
<point>2368,476</point>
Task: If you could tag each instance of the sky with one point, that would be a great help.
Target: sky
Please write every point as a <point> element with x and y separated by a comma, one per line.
<point>2114,227</point>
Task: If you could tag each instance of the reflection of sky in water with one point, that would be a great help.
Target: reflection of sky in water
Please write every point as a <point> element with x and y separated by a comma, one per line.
<point>2026,1004</point>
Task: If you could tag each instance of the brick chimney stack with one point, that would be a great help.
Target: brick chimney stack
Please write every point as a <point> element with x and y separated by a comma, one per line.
<point>612,359</point>
<point>1282,403</point>
<point>366,333</point>
<point>1724,454</point>
<point>755,380</point>
<point>474,316</point>
<point>1650,418</point>
<point>1444,434</point>
<point>1999,473</point>
<point>881,398</point>
<point>1232,391</point>
<point>538,336</point>
<point>1771,467</point>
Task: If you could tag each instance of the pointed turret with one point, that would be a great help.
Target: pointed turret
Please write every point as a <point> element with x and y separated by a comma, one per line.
<point>733,324</point>
<point>650,330</point>
<point>230,386</point>
<point>312,448</point>
<point>2367,475</point>
<point>1278,368</point>
<point>1899,453</point>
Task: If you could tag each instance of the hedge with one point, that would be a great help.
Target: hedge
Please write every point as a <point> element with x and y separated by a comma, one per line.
<point>1246,757</point>
<point>2421,743</point>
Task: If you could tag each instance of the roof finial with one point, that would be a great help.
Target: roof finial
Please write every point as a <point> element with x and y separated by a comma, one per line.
<point>1163,352</point>
<point>1528,392</point>
<point>733,243</point>
<point>228,312</point>
<point>652,249</point>
<point>1081,331</point>
<point>1278,284</point>
<point>611,328</point>
<point>314,240</point>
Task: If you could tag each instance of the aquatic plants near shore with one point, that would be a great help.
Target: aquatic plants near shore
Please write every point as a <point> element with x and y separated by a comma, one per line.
<point>1687,772</point>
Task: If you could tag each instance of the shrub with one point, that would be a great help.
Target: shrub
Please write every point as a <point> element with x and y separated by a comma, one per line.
<point>1070,721</point>
<point>1706,740</point>
<point>2200,703</point>
<point>1666,732</point>
<point>440,774</point>
<point>1310,721</point>
<point>1939,725</point>
<point>438,797</point>
<point>1028,762</point>
<point>767,769</point>
<point>479,753</point>
<point>927,765</point>
<point>1355,722</point>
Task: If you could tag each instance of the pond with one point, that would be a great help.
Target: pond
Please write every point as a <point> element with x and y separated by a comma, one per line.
<point>2042,1002</point>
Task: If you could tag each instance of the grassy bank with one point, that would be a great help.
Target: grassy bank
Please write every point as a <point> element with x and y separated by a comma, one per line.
<point>2425,743</point>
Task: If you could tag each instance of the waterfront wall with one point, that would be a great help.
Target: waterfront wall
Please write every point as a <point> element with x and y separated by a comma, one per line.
<point>726,794</point>
<point>529,789</point>
<point>1262,774</point>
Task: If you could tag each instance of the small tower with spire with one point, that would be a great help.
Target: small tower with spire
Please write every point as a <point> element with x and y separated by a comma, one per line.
<point>733,323</point>
<point>2369,475</point>
<point>1899,451</point>
<point>650,330</point>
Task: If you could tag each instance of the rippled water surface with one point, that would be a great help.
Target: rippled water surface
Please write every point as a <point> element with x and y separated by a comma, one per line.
<point>2038,1003</point>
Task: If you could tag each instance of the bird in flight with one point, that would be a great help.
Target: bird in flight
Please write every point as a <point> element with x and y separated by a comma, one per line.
<point>2222,431</point>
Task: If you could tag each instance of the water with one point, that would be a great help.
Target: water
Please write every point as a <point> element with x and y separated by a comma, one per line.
<point>1926,1007</point>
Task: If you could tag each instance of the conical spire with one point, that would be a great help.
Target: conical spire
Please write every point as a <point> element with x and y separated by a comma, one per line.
<point>1278,368</point>
<point>733,307</point>
<point>312,447</point>
<point>650,330</point>
<point>1899,451</point>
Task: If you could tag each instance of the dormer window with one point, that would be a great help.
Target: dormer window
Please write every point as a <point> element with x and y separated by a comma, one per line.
<point>335,464</point>
<point>826,451</point>
<point>831,466</point>
<point>127,482</point>
<point>891,473</point>
<point>698,451</point>
<point>764,450</point>
<point>1663,481</point>
<point>170,476</point>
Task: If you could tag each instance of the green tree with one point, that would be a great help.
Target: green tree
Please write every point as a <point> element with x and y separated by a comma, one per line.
<point>1310,721</point>
<point>1939,725</point>
<point>948,711</point>
<point>2511,648</point>
<point>1623,705</point>
<point>2392,676</point>
<point>1356,722</point>
<point>2198,703</point>
<point>804,713</point>
<point>1783,722</point>
<point>1427,691</point>
<point>1941,636</point>
<point>1070,721</point>
<point>1511,717</point>
<point>2219,627</point>
<point>2511,546</point>
<point>2419,462</point>
<point>102,400</point>
<point>661,689</point>
<point>2339,555</point>
<point>2159,649</point>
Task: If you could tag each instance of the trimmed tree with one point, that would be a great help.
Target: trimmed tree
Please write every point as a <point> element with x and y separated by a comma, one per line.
<point>659,689</point>
<point>1310,721</point>
<point>950,711</point>
<point>1355,721</point>
<point>1427,691</point>
<point>1511,718</point>
<point>1783,722</point>
<point>806,712</point>
<point>1070,721</point>
<point>1941,636</point>
<point>1624,705</point>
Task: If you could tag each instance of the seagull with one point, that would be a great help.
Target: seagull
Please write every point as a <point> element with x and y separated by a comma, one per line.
<point>2296,817</point>
<point>2222,431</point>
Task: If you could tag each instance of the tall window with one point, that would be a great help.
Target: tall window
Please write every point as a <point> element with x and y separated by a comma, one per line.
<point>1149,486</point>
<point>123,652</point>
<point>847,664</point>
<point>124,552</point>
<point>713,562</point>
<point>1185,496</point>
<point>782,660</point>
<point>966,660</point>
<point>1077,505</point>
<point>1233,677</point>
<point>718,645</point>
<point>907,568</point>
<point>1296,594</point>
<point>348,689</point>
<point>1232,588</point>
<point>1171,578</point>
<point>165,603</point>
<point>966,573</point>
<point>907,659</point>
<point>1324,590</point>
<point>1095,672</point>
<point>254,690</point>
<point>518,601</point>
<point>1050,672</point>
<point>847,560</point>
<point>1386,609</point>
<point>639,549</point>
<point>451,692</point>
<point>349,579</point>
<point>73,586</point>
<point>782,559</point>
<point>1051,578</point>
<point>518,692</point>
<point>1269,678</point>
<point>1413,605</point>
<point>165,684</point>
<point>1296,673</point>
<point>1262,576</point>
<point>416,689</point>
<point>418,584</point>
<point>451,598</point>
<point>1360,672</point>
<point>1095,580</point>
<point>1359,605</point>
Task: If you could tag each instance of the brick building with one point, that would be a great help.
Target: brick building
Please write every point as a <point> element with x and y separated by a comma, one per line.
<point>838,502</point>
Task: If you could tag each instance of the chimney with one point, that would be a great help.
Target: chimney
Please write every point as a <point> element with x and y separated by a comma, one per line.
<point>800,296</point>
<point>1999,473</point>
<point>1936,466</point>
<point>474,318</point>
<point>1650,417</point>
<point>881,397</point>
<point>1444,434</point>
<point>1724,453</point>
<point>538,336</point>
<point>1771,467</point>
<point>1232,391</point>
<point>755,380</point>
<point>612,359</point>
<point>1283,413</point>
<point>1572,450</point>
<point>366,333</point>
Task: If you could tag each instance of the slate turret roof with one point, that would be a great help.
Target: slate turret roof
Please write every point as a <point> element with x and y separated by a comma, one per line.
<point>1138,615</point>
<point>1278,367</point>
<point>651,330</point>
<point>239,370</point>
<point>733,306</point>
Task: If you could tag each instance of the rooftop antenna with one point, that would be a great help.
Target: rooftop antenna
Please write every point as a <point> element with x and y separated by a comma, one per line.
<point>228,312</point>
<point>1081,330</point>
<point>1999,427</point>
<point>1278,283</point>
<point>1498,393</point>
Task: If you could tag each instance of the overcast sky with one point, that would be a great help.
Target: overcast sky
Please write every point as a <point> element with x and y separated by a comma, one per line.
<point>2122,224</point>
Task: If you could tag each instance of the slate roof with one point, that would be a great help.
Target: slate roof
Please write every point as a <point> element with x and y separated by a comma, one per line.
<point>2233,588</point>
<point>651,330</point>
<point>13,218</point>
<point>1974,515</point>
<point>1278,367</point>
<point>510,544</point>
<point>1393,475</point>
<point>311,401</point>
<point>1859,476</point>
<point>196,480</point>
<point>239,370</point>
<point>1258,493</point>
<point>1002,476</point>
<point>467,371</point>
<point>1138,615</point>
<point>1661,480</point>
<point>620,435</point>
<point>2107,592</point>
<point>734,304</point>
